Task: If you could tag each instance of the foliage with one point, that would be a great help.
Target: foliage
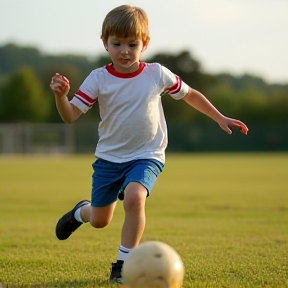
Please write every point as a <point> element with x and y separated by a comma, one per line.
<point>23,98</point>
<point>246,97</point>
<point>216,210</point>
<point>251,98</point>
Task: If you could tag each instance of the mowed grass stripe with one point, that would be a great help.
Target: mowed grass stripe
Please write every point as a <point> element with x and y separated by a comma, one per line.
<point>226,214</point>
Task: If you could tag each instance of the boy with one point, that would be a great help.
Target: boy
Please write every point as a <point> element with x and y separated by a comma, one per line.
<point>132,132</point>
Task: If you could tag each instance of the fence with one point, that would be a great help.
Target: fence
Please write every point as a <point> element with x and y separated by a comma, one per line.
<point>82,138</point>
<point>47,138</point>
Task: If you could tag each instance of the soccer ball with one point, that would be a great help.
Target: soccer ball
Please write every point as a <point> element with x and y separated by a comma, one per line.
<point>153,264</point>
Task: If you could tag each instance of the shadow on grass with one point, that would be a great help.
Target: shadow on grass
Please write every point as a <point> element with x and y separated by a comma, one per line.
<point>62,284</point>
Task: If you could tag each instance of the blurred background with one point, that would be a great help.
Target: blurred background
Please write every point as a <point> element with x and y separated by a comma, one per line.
<point>234,52</point>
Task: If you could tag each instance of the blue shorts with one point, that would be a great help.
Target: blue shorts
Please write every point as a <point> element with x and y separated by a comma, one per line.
<point>109,179</point>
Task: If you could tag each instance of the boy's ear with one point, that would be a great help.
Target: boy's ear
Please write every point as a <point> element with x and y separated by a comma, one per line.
<point>145,45</point>
<point>105,45</point>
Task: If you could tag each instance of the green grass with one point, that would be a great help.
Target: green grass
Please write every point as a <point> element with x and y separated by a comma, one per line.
<point>226,215</point>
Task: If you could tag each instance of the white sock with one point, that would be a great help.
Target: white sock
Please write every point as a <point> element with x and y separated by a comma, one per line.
<point>123,253</point>
<point>77,214</point>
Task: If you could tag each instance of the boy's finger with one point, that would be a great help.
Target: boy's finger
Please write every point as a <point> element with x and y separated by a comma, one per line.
<point>243,128</point>
<point>65,79</point>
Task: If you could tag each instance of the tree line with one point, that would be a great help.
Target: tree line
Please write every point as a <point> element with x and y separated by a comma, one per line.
<point>25,95</point>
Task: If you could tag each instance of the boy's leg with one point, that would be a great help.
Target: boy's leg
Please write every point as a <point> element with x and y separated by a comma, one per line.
<point>98,217</point>
<point>133,227</point>
<point>106,182</point>
<point>134,207</point>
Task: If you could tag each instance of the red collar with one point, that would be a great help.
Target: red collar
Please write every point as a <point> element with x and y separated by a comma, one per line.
<point>110,69</point>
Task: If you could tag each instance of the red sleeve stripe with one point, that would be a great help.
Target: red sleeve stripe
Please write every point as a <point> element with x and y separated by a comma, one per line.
<point>176,87</point>
<point>85,98</point>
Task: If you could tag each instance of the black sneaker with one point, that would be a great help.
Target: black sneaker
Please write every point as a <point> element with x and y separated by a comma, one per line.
<point>67,224</point>
<point>116,276</point>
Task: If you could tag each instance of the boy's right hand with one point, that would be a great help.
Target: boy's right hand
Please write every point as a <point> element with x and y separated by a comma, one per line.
<point>60,85</point>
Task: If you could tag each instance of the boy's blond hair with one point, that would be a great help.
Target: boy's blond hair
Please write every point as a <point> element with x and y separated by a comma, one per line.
<point>126,21</point>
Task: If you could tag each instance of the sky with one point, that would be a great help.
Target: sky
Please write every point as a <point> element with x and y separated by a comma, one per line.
<point>234,36</point>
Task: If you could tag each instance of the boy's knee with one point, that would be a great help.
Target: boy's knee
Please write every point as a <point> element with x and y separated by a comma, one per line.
<point>134,201</point>
<point>99,223</point>
<point>100,217</point>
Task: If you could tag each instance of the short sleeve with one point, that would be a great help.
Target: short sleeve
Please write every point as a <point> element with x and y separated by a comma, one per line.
<point>87,94</point>
<point>173,84</point>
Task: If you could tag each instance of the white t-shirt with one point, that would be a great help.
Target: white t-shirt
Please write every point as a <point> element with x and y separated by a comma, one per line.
<point>133,124</point>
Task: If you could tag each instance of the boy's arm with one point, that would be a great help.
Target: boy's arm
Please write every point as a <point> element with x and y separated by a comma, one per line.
<point>197,100</point>
<point>60,86</point>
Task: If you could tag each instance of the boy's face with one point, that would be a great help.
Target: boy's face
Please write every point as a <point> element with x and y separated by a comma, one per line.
<point>125,53</point>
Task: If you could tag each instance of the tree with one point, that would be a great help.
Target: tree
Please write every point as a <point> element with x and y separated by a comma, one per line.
<point>190,71</point>
<point>23,98</point>
<point>45,76</point>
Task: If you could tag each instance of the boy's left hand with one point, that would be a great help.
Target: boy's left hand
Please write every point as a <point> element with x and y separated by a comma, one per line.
<point>227,123</point>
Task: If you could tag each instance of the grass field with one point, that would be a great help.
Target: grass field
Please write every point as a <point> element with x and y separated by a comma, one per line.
<point>226,215</point>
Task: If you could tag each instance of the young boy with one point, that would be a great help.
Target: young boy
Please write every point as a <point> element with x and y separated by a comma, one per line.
<point>132,132</point>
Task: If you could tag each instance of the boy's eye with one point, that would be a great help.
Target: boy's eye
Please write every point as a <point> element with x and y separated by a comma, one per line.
<point>130,45</point>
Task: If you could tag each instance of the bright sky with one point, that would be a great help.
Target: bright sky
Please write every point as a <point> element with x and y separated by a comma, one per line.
<point>235,36</point>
